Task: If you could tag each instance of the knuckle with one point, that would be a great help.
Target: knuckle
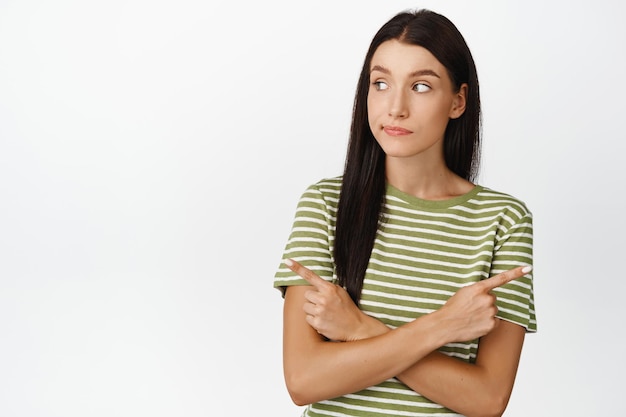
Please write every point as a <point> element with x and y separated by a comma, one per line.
<point>493,310</point>
<point>317,324</point>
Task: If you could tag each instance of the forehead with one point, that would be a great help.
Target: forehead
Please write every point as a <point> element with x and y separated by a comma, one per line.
<point>402,58</point>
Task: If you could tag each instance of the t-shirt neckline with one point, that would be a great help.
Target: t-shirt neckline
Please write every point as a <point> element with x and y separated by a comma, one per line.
<point>433,204</point>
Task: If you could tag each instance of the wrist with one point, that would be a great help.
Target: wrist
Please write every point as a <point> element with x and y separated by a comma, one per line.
<point>369,327</point>
<point>436,327</point>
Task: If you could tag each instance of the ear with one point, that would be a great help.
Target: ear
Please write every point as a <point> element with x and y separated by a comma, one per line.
<point>458,104</point>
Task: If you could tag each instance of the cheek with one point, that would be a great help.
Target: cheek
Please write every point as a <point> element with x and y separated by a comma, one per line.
<point>437,112</point>
<point>373,109</point>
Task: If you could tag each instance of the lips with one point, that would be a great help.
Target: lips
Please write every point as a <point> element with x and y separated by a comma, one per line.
<point>396,131</point>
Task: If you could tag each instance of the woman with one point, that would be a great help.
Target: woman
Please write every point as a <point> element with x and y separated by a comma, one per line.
<point>407,287</point>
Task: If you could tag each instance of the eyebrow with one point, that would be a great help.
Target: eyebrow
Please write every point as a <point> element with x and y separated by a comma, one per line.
<point>413,74</point>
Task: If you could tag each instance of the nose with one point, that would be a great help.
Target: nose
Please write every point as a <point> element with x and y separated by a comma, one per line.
<point>398,105</point>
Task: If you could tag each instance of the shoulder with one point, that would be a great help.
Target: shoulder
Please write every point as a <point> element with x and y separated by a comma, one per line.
<point>331,184</point>
<point>327,189</point>
<point>498,200</point>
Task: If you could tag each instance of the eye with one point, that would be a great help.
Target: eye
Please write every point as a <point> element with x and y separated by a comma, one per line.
<point>421,87</point>
<point>380,85</point>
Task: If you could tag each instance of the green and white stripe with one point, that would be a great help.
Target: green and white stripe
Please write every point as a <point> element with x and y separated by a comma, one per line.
<point>424,252</point>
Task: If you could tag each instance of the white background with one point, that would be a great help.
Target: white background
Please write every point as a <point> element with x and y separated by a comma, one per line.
<point>152,154</point>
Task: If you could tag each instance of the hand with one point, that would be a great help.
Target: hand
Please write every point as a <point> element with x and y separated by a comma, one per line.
<point>470,313</point>
<point>467,315</point>
<point>330,310</point>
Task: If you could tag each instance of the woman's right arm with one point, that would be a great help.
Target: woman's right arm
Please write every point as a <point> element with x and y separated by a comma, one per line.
<point>316,369</point>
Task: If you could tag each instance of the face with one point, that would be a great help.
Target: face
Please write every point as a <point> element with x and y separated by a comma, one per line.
<point>410,100</point>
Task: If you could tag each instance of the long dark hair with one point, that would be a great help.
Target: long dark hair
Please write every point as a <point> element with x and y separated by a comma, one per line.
<point>363,187</point>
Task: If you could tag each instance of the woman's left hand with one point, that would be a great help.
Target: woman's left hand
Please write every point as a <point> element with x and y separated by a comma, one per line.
<point>332,313</point>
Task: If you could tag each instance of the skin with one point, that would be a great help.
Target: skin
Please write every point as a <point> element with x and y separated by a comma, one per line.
<point>410,101</point>
<point>410,89</point>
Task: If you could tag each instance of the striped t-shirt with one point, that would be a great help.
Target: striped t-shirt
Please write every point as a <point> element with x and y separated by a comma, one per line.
<point>423,253</point>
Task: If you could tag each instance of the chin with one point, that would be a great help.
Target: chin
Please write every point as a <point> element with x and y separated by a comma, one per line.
<point>401,152</point>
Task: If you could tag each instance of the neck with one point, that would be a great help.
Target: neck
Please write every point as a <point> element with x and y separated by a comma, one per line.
<point>426,178</point>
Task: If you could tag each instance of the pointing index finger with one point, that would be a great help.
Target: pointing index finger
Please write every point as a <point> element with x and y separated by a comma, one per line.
<point>308,275</point>
<point>505,277</point>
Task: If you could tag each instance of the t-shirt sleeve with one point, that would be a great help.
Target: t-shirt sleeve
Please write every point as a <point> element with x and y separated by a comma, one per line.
<point>514,247</point>
<point>309,241</point>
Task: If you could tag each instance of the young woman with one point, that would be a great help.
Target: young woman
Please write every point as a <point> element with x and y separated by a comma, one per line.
<point>407,287</point>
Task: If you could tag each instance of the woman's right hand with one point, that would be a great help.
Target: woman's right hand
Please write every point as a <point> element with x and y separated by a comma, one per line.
<point>331,312</point>
<point>471,312</point>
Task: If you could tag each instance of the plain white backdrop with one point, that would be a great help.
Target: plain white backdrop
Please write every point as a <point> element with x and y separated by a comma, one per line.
<point>152,154</point>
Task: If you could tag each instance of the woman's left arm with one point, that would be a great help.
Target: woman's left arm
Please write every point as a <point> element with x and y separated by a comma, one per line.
<point>479,389</point>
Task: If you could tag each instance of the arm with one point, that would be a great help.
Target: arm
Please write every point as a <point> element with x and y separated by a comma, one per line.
<point>316,369</point>
<point>480,389</point>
